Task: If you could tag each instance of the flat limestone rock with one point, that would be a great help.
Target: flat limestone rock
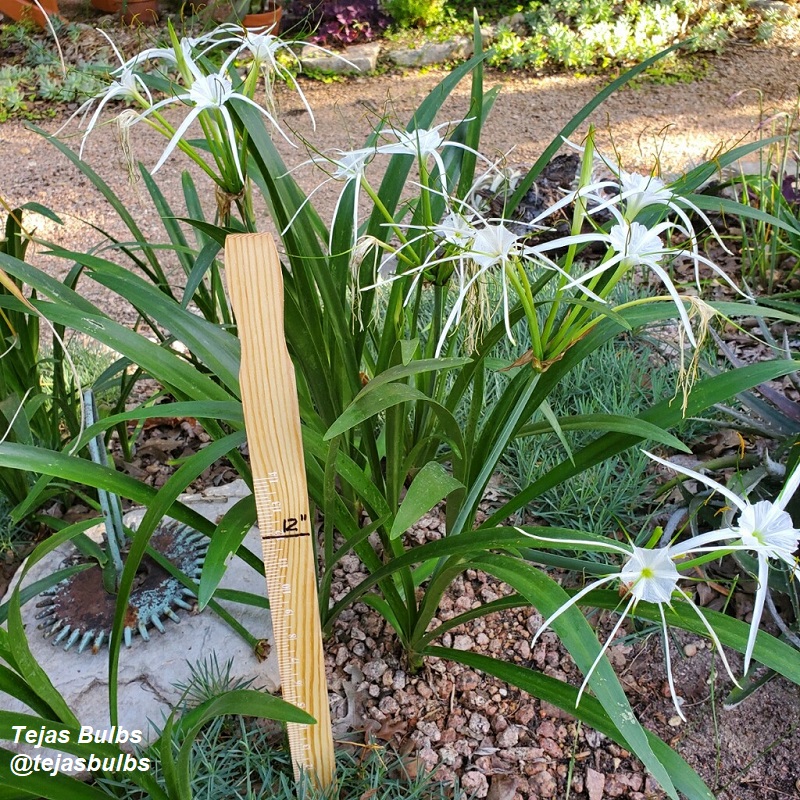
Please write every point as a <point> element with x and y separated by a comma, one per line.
<point>358,58</point>
<point>148,671</point>
<point>429,53</point>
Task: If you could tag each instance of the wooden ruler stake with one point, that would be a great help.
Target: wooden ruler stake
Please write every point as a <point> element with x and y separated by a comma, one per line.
<point>272,420</point>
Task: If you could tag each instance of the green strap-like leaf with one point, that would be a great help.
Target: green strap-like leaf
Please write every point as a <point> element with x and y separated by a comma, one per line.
<point>42,784</point>
<point>227,539</point>
<point>723,205</point>
<point>387,396</point>
<point>608,422</point>
<point>430,485</point>
<point>83,750</point>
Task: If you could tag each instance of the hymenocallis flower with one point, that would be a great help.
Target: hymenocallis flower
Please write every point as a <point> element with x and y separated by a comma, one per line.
<point>478,247</point>
<point>346,167</point>
<point>648,574</point>
<point>209,93</point>
<point>764,528</point>
<point>632,193</point>
<point>631,245</point>
<point>127,85</point>
<point>425,143</point>
<point>264,47</point>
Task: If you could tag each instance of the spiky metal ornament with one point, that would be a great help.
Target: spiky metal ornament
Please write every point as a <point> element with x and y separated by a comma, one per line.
<point>80,609</point>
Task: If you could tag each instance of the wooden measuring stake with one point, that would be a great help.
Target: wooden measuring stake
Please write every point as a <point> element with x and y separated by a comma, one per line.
<point>272,419</point>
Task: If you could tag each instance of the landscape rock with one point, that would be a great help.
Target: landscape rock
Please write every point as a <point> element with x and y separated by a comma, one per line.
<point>783,11</point>
<point>514,22</point>
<point>502,787</point>
<point>595,783</point>
<point>475,784</point>
<point>431,52</point>
<point>150,671</point>
<point>361,58</point>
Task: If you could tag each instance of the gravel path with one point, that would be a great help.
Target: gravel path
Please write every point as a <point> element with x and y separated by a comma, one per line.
<point>460,722</point>
<point>679,124</point>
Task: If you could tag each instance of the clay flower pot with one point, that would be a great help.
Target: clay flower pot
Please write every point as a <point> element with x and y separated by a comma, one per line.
<point>134,12</point>
<point>26,10</point>
<point>269,19</point>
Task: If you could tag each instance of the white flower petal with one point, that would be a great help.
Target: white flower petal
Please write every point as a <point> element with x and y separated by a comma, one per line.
<point>712,484</point>
<point>650,574</point>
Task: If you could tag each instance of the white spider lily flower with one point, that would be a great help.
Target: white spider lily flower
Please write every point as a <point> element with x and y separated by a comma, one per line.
<point>477,246</point>
<point>764,528</point>
<point>263,46</point>
<point>486,244</point>
<point>640,191</point>
<point>425,143</point>
<point>633,245</point>
<point>348,166</point>
<point>127,85</point>
<point>635,192</point>
<point>648,574</point>
<point>455,229</point>
<point>209,93</point>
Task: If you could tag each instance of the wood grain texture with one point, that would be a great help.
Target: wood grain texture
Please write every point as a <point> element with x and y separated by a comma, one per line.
<point>272,420</point>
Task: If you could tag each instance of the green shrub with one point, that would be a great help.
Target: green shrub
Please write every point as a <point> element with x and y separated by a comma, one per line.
<point>415,13</point>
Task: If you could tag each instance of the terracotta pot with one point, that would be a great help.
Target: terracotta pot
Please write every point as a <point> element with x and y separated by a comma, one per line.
<point>134,12</point>
<point>270,20</point>
<point>24,9</point>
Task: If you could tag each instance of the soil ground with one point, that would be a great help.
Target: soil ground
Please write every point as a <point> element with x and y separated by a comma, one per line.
<point>504,744</point>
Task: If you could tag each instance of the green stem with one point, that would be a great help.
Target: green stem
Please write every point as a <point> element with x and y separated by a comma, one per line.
<point>573,327</point>
<point>158,123</point>
<point>375,197</point>
<point>519,280</point>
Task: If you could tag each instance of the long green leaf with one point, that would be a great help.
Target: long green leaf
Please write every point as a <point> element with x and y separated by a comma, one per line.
<point>165,366</point>
<point>15,686</point>
<point>227,539</point>
<point>722,205</point>
<point>430,485</point>
<point>388,396</point>
<point>84,750</point>
<point>696,177</point>
<point>416,367</point>
<point>81,471</point>
<point>42,784</point>
<point>608,422</point>
<point>117,204</point>
<point>243,702</point>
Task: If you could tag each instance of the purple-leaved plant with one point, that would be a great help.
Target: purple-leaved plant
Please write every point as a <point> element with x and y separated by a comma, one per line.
<point>347,23</point>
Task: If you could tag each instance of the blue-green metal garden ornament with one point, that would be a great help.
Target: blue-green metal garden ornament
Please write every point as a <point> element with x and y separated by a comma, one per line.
<point>80,609</point>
